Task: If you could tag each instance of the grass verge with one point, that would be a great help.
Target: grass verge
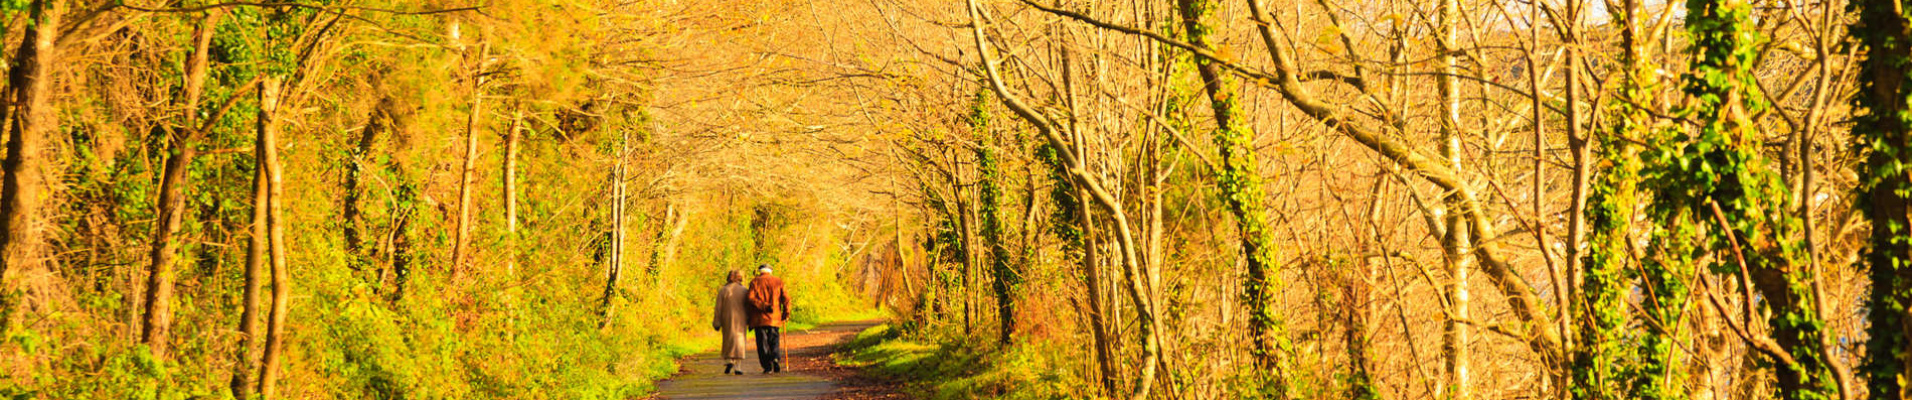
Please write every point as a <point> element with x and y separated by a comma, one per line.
<point>935,369</point>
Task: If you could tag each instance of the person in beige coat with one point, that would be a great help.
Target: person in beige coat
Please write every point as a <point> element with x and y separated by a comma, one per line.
<point>730,318</point>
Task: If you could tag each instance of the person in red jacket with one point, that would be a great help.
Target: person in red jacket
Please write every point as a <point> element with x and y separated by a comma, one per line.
<point>769,308</point>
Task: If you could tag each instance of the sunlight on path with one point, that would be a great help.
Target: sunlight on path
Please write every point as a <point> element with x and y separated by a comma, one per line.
<point>701,375</point>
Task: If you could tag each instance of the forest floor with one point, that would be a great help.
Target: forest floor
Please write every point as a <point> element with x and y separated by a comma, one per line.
<point>809,374</point>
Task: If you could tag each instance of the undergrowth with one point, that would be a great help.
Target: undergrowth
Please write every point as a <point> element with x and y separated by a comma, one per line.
<point>934,368</point>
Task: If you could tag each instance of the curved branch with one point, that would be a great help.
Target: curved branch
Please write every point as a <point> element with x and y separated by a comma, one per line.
<point>333,8</point>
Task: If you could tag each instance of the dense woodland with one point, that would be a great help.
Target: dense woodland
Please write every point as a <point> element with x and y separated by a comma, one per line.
<point>1172,199</point>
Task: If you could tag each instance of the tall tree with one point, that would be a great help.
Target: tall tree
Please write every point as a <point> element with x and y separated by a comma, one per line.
<point>1599,360</point>
<point>272,361</point>
<point>1457,242</point>
<point>989,201</point>
<point>1719,176</point>
<point>388,117</point>
<point>1147,315</point>
<point>1665,272</point>
<point>251,333</point>
<point>1071,224</point>
<point>32,120</point>
<point>461,243</point>
<point>510,181</point>
<point>617,197</point>
<point>172,204</point>
<point>1240,185</point>
<point>1883,132</point>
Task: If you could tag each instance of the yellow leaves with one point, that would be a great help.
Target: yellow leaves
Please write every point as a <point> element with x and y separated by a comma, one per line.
<point>1327,37</point>
<point>1286,148</point>
<point>1394,18</point>
<point>1799,50</point>
<point>1224,53</point>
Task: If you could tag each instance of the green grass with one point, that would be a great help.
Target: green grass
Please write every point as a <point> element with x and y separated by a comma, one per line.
<point>953,370</point>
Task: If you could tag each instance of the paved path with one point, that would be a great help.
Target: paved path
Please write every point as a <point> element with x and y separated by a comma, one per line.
<point>807,373</point>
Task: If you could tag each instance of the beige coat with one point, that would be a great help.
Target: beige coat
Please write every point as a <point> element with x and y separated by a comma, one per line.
<point>730,319</point>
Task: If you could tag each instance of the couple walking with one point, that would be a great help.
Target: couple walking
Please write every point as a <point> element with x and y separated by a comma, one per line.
<point>763,306</point>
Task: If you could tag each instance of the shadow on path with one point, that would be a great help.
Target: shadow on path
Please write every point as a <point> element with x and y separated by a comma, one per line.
<point>807,373</point>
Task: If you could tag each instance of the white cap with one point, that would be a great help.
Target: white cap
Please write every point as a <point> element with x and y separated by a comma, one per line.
<point>764,268</point>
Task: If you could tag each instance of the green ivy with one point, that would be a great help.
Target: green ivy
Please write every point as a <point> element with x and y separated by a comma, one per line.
<point>1239,184</point>
<point>1605,365</point>
<point>1721,165</point>
<point>1882,131</point>
<point>989,207</point>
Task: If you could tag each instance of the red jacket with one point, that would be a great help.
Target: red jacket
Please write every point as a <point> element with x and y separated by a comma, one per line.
<point>769,305</point>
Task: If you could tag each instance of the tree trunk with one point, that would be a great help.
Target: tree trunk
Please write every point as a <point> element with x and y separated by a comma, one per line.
<point>462,242</point>
<point>1536,84</point>
<point>617,233</point>
<point>275,223</point>
<point>1456,338</point>
<point>1356,300</point>
<point>1240,186</point>
<point>989,201</point>
<point>1581,154</point>
<point>1358,304</point>
<point>402,235</point>
<point>172,205</point>
<point>665,246</point>
<point>679,220</point>
<point>1071,224</point>
<point>511,192</point>
<point>1886,129</point>
<point>23,188</point>
<point>251,333</point>
<point>1149,326</point>
<point>965,221</point>
<point>1735,185</point>
<point>382,119</point>
<point>1600,312</point>
<point>512,245</point>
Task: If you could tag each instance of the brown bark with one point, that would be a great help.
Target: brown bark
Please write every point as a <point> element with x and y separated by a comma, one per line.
<point>172,204</point>
<point>244,382</point>
<point>23,189</point>
<point>1526,305</point>
<point>964,211</point>
<point>1092,279</point>
<point>1536,84</point>
<point>1091,273</point>
<point>1458,243</point>
<point>1808,179</point>
<point>1577,144</point>
<point>402,236</point>
<point>1886,96</point>
<point>1358,303</point>
<point>1534,323</point>
<point>1239,186</point>
<point>462,241</point>
<point>511,191</point>
<point>381,120</point>
<point>617,233</point>
<point>668,235</point>
<point>1123,232</point>
<point>275,226</point>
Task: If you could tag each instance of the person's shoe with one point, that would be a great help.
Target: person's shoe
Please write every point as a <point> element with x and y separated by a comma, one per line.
<point>728,368</point>
<point>737,372</point>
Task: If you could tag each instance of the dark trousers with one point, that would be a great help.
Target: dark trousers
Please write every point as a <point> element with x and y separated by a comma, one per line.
<point>769,347</point>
